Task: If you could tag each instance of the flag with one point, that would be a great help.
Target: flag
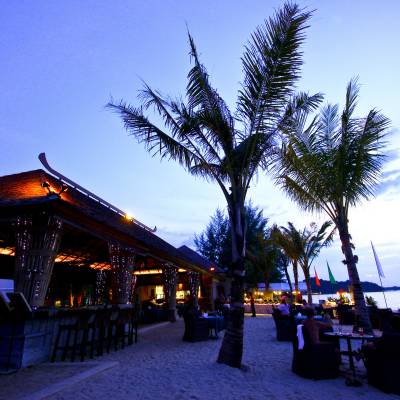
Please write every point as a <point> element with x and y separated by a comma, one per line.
<point>377,262</point>
<point>331,277</point>
<point>317,282</point>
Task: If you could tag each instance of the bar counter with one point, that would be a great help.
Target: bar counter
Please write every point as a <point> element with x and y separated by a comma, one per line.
<point>27,340</point>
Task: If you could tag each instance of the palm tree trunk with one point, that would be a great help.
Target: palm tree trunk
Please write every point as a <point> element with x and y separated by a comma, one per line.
<point>296,276</point>
<point>362,315</point>
<point>289,282</point>
<point>231,350</point>
<point>308,283</point>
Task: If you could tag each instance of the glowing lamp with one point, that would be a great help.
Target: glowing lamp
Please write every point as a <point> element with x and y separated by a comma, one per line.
<point>128,217</point>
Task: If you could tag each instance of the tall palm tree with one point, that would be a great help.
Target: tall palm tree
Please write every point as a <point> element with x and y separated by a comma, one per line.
<point>313,240</point>
<point>332,164</point>
<point>290,241</point>
<point>209,141</point>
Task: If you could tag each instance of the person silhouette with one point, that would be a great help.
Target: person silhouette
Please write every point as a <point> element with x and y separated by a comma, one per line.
<point>252,305</point>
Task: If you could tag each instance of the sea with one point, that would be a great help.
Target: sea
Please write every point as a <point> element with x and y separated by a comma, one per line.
<point>392,298</point>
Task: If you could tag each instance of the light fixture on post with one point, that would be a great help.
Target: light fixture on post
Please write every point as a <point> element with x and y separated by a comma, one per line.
<point>63,188</point>
<point>50,190</point>
<point>46,185</point>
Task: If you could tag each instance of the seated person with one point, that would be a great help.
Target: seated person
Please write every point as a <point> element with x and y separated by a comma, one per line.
<point>327,319</point>
<point>313,327</point>
<point>283,307</point>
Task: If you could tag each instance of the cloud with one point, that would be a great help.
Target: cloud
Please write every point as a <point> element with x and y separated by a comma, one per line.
<point>391,180</point>
<point>390,174</point>
<point>176,237</point>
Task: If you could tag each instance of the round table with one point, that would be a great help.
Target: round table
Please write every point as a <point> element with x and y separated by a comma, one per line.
<point>349,352</point>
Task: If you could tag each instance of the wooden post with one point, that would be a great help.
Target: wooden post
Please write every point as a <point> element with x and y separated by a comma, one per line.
<point>194,283</point>
<point>101,281</point>
<point>122,264</point>
<point>170,273</point>
<point>37,242</point>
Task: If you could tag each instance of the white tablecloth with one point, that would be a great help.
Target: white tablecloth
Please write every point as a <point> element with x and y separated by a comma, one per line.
<point>260,308</point>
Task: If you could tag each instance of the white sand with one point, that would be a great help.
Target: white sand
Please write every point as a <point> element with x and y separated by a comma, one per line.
<point>162,366</point>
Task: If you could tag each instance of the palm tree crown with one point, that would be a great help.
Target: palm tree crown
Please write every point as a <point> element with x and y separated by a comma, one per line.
<point>202,134</point>
<point>334,162</point>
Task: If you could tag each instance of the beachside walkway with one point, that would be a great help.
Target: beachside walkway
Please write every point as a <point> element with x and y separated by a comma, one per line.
<point>162,366</point>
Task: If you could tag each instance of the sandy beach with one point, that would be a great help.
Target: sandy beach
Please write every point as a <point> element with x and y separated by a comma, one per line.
<point>162,366</point>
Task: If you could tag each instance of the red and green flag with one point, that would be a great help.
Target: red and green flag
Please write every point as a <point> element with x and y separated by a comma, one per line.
<point>317,282</point>
<point>331,277</point>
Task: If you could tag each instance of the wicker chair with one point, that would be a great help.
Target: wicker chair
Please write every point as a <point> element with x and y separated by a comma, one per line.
<point>285,327</point>
<point>196,329</point>
<point>382,361</point>
<point>315,360</point>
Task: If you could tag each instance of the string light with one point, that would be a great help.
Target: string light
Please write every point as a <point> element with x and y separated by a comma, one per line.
<point>122,264</point>
<point>169,281</point>
<point>194,283</point>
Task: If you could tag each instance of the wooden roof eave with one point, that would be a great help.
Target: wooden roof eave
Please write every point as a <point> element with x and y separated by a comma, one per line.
<point>68,212</point>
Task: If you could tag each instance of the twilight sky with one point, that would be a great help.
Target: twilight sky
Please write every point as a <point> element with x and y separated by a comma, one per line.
<point>62,61</point>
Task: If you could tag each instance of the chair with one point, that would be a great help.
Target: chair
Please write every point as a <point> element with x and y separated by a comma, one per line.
<point>396,323</point>
<point>100,328</point>
<point>346,315</point>
<point>315,360</point>
<point>382,361</point>
<point>284,326</point>
<point>79,329</point>
<point>196,328</point>
<point>112,327</point>
<point>133,325</point>
<point>121,332</point>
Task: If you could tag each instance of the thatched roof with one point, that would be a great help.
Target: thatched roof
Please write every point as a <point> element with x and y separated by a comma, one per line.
<point>25,190</point>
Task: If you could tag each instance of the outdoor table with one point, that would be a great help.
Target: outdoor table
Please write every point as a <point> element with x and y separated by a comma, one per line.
<point>215,324</point>
<point>350,353</point>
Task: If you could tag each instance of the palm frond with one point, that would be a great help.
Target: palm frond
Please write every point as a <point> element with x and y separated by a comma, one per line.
<point>155,140</point>
<point>337,162</point>
<point>367,157</point>
<point>216,117</point>
<point>271,64</point>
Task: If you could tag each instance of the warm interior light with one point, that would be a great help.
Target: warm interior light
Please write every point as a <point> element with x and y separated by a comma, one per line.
<point>7,251</point>
<point>148,272</point>
<point>65,258</point>
<point>100,266</point>
<point>128,216</point>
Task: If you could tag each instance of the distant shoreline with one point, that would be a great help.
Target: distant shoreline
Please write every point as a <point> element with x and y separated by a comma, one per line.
<point>326,287</point>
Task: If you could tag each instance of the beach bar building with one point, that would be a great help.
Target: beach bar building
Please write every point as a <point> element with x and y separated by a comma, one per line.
<point>65,248</point>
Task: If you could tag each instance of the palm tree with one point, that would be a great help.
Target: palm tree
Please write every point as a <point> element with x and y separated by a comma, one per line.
<point>283,263</point>
<point>333,164</point>
<point>290,241</point>
<point>209,141</point>
<point>265,258</point>
<point>313,240</point>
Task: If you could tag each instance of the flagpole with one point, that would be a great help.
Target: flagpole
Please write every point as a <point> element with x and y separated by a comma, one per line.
<point>380,271</point>
<point>383,292</point>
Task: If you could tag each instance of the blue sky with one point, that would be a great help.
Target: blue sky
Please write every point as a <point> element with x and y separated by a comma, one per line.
<point>62,61</point>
